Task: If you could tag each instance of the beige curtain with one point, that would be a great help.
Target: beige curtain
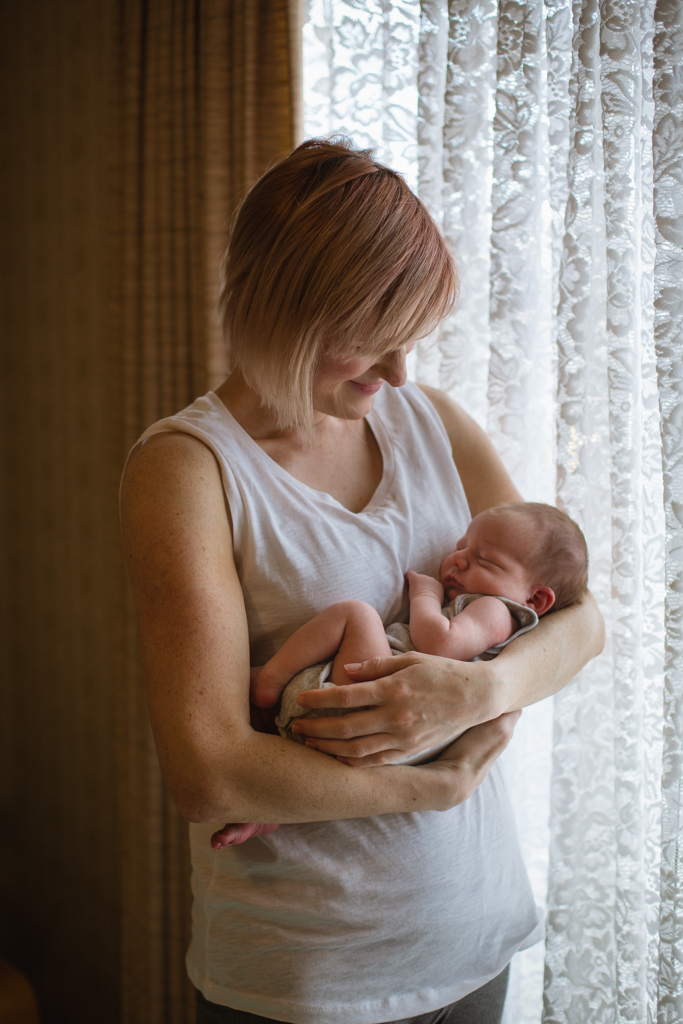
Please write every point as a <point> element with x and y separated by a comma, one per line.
<point>207,94</point>
<point>134,127</point>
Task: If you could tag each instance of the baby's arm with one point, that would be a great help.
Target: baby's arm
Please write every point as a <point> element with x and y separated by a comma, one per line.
<point>480,625</point>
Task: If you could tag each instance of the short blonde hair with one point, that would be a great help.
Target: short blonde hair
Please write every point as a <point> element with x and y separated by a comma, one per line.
<point>559,558</point>
<point>330,251</point>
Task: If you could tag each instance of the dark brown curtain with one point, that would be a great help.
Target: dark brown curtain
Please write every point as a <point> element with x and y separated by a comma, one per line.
<point>130,131</point>
<point>206,96</point>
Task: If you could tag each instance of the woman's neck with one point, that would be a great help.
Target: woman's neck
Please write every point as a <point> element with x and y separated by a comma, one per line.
<point>260,422</point>
<point>343,458</point>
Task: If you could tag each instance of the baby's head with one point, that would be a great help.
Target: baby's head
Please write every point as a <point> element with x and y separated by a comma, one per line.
<point>529,552</point>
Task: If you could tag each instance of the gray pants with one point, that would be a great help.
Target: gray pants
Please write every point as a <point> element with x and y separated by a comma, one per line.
<point>483,1006</point>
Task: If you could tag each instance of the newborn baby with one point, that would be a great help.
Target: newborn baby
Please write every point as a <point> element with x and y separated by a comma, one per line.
<point>515,563</point>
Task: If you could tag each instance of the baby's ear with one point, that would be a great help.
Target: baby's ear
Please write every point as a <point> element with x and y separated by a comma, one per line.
<point>542,600</point>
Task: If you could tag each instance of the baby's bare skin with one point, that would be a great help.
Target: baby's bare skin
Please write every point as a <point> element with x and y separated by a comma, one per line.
<point>489,560</point>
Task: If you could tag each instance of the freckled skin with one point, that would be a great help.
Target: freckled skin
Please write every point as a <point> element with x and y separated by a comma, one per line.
<point>219,764</point>
<point>489,560</point>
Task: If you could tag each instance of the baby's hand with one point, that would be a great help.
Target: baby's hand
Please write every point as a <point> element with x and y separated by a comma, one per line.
<point>232,835</point>
<point>420,585</point>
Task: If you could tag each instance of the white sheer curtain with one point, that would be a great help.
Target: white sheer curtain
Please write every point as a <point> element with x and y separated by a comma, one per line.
<point>547,139</point>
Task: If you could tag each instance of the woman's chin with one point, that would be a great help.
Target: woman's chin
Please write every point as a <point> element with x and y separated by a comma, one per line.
<point>352,406</point>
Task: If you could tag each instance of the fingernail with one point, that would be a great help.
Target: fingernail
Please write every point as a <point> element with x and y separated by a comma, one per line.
<point>353,667</point>
<point>311,744</point>
<point>297,729</point>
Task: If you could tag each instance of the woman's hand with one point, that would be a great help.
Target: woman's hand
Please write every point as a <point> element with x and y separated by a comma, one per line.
<point>412,701</point>
<point>417,701</point>
<point>470,758</point>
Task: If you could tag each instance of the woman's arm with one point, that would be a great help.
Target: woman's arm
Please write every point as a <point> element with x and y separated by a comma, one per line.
<point>194,639</point>
<point>484,477</point>
<point>417,701</point>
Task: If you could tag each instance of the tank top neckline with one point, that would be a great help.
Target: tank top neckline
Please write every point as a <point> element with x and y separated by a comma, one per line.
<point>381,436</point>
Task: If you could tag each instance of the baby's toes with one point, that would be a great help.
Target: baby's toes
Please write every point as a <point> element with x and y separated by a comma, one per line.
<point>233,835</point>
<point>228,836</point>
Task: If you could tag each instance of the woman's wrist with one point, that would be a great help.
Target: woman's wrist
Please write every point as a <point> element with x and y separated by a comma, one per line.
<point>496,695</point>
<point>486,686</point>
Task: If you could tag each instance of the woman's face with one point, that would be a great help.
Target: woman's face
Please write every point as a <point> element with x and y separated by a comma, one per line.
<point>345,387</point>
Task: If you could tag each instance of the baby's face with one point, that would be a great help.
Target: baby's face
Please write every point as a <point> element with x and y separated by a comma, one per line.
<point>489,560</point>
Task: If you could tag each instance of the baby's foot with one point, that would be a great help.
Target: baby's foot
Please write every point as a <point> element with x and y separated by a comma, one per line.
<point>231,835</point>
<point>265,686</point>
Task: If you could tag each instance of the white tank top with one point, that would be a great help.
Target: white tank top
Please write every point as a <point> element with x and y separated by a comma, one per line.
<point>371,919</point>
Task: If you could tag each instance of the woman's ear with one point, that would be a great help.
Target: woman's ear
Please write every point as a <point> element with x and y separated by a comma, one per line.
<point>541,600</point>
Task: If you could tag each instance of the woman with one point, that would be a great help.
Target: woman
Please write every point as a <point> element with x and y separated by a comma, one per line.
<point>311,476</point>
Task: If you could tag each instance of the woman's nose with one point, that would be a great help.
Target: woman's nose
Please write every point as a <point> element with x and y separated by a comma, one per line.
<point>392,368</point>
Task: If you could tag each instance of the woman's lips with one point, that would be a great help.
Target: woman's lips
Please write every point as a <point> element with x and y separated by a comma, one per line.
<point>365,389</point>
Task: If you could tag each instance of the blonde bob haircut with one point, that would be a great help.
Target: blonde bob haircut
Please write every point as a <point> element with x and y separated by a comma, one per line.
<point>331,253</point>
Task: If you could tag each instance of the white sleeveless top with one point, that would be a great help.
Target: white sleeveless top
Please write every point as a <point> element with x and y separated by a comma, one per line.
<point>371,919</point>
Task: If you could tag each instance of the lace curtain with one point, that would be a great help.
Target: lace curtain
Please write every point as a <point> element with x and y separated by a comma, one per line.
<point>547,140</point>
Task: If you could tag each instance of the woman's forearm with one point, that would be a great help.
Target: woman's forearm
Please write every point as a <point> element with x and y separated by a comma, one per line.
<point>544,660</point>
<point>268,779</point>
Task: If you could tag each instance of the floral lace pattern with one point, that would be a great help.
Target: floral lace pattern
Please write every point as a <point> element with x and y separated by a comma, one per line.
<point>360,76</point>
<point>546,137</point>
<point>668,206</point>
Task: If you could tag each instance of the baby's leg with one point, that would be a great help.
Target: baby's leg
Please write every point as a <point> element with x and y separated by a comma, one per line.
<point>352,630</point>
<point>363,638</point>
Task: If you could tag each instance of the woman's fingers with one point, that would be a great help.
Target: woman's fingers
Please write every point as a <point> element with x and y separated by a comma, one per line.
<point>365,723</point>
<point>424,701</point>
<point>359,748</point>
<point>377,668</point>
<point>374,760</point>
<point>471,755</point>
<point>358,695</point>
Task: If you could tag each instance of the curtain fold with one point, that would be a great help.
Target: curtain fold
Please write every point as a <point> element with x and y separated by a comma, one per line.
<point>668,209</point>
<point>205,94</point>
<point>549,143</point>
<point>606,845</point>
<point>59,868</point>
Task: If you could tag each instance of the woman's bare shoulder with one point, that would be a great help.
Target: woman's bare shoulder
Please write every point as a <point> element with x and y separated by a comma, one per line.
<point>173,510</point>
<point>454,417</point>
<point>481,470</point>
<point>168,451</point>
<point>170,469</point>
